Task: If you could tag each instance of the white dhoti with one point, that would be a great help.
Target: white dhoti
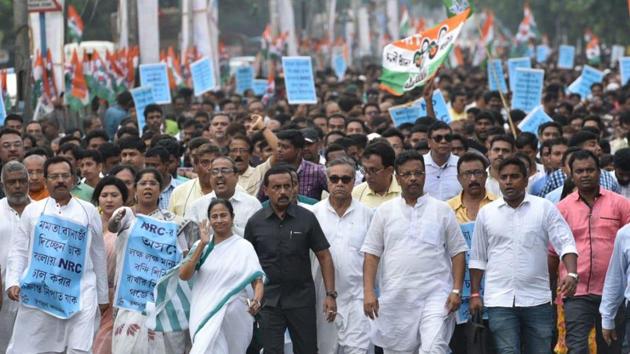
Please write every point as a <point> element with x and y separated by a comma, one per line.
<point>406,328</point>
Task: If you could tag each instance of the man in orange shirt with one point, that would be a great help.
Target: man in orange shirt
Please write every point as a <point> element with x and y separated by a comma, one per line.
<point>37,183</point>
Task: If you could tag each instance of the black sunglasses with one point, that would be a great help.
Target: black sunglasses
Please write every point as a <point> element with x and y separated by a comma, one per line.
<point>344,179</point>
<point>439,138</point>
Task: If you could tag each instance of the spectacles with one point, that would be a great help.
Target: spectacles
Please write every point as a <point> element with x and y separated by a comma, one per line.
<point>63,176</point>
<point>221,171</point>
<point>439,138</point>
<point>476,173</point>
<point>411,173</point>
<point>344,179</point>
<point>373,171</point>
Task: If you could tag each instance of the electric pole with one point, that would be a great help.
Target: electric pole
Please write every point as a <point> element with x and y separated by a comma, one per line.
<point>22,58</point>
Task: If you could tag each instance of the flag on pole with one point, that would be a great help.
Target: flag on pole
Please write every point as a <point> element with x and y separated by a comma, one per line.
<point>456,7</point>
<point>410,62</point>
<point>75,24</point>
<point>79,96</point>
<point>50,85</point>
<point>405,24</point>
<point>593,52</point>
<point>527,29</point>
<point>486,39</point>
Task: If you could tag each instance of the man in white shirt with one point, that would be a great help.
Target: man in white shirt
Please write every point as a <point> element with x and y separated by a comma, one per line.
<point>501,148</point>
<point>510,245</point>
<point>15,184</point>
<point>345,222</point>
<point>57,270</point>
<point>223,178</point>
<point>422,250</point>
<point>441,165</point>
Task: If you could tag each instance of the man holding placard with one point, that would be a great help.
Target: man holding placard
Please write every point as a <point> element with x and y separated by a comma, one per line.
<point>57,269</point>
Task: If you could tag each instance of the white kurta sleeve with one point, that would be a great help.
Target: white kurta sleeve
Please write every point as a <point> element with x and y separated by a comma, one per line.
<point>455,242</point>
<point>18,252</point>
<point>479,242</point>
<point>99,257</point>
<point>375,239</point>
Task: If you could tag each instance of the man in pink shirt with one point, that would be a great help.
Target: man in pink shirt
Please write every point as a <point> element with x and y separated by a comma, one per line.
<point>594,215</point>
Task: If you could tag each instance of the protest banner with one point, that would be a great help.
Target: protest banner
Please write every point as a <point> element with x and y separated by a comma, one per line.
<point>533,120</point>
<point>566,56</point>
<point>3,109</point>
<point>150,251</point>
<point>410,62</point>
<point>244,79</point>
<point>582,85</point>
<point>617,52</point>
<point>528,89</point>
<point>298,80</point>
<point>339,65</point>
<point>624,69</point>
<point>156,76</point>
<point>496,78</point>
<point>542,53</point>
<point>515,63</point>
<point>408,113</point>
<point>52,282</point>
<point>142,97</point>
<point>462,314</point>
<point>260,86</point>
<point>202,76</point>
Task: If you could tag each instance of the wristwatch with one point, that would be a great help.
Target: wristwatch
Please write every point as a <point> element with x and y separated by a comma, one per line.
<point>332,294</point>
<point>456,292</point>
<point>573,275</point>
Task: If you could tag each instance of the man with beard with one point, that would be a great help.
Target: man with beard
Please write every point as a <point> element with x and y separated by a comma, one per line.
<point>63,319</point>
<point>15,185</point>
<point>509,244</point>
<point>421,249</point>
<point>282,235</point>
<point>595,215</point>
<point>621,160</point>
<point>312,146</point>
<point>217,130</point>
<point>345,222</point>
<point>483,122</point>
<point>241,149</point>
<point>223,179</point>
<point>501,148</point>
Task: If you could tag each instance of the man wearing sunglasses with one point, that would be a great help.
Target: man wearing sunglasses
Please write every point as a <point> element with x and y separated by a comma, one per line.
<point>420,245</point>
<point>441,165</point>
<point>344,221</point>
<point>380,184</point>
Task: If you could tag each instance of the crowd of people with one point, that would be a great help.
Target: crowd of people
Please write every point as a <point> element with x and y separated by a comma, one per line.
<point>321,228</point>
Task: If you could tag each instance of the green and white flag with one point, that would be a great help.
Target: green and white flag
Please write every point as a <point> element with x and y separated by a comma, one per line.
<point>456,7</point>
<point>410,62</point>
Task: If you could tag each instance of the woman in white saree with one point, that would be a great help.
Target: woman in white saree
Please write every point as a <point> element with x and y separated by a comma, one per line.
<point>222,307</point>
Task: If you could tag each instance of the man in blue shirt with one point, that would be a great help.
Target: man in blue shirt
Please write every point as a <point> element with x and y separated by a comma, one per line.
<point>116,113</point>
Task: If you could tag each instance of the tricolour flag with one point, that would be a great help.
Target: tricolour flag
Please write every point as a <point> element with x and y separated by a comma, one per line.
<point>485,40</point>
<point>79,96</point>
<point>75,24</point>
<point>527,29</point>
<point>456,7</point>
<point>410,62</point>
<point>593,52</point>
<point>405,23</point>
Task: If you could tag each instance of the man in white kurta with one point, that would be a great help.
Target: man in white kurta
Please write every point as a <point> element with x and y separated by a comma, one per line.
<point>15,185</point>
<point>36,331</point>
<point>420,248</point>
<point>345,234</point>
<point>224,179</point>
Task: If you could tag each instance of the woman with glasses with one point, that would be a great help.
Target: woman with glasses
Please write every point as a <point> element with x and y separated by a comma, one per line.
<point>109,194</point>
<point>150,242</point>
<point>222,267</point>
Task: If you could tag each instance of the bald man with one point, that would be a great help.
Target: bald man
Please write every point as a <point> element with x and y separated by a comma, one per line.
<point>37,183</point>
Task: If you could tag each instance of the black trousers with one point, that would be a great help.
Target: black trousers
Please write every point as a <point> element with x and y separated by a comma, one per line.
<point>581,313</point>
<point>302,329</point>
